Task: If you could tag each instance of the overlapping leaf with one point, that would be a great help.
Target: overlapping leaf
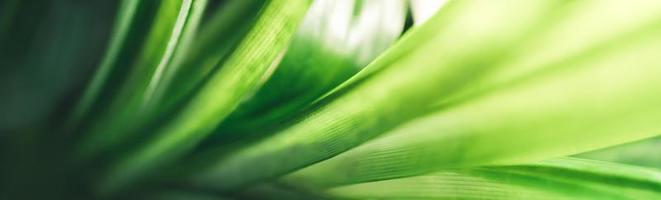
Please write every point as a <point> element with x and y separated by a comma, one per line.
<point>239,75</point>
<point>387,99</point>
<point>553,179</point>
<point>464,105</point>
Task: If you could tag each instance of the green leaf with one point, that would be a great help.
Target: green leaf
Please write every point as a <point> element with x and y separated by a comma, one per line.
<point>127,109</point>
<point>554,179</point>
<point>386,99</point>
<point>216,41</point>
<point>120,33</point>
<point>198,99</point>
<point>639,153</point>
<point>577,33</point>
<point>331,45</point>
<point>591,103</point>
<point>242,73</point>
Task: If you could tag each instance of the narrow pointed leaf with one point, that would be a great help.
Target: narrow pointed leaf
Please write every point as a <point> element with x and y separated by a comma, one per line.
<point>122,25</point>
<point>553,179</point>
<point>592,103</point>
<point>242,73</point>
<point>214,43</point>
<point>331,45</point>
<point>126,112</point>
<point>641,153</point>
<point>385,99</point>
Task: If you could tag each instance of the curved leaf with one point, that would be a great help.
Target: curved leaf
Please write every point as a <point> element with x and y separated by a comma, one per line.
<point>554,179</point>
<point>126,110</point>
<point>242,73</point>
<point>386,99</point>
<point>599,101</point>
<point>330,45</point>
